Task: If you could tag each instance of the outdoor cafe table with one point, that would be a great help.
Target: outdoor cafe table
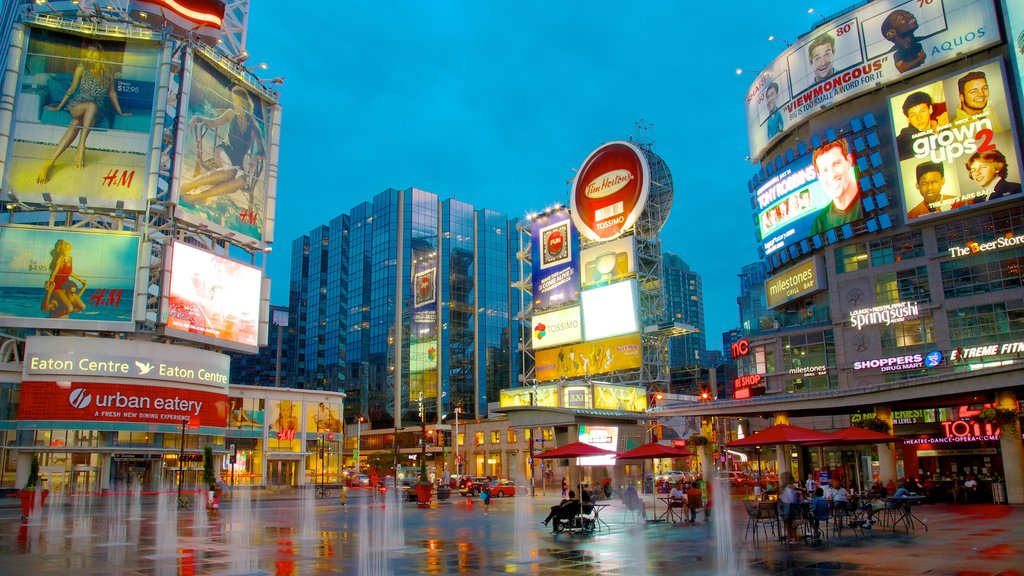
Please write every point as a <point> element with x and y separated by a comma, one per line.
<point>674,513</point>
<point>599,522</point>
<point>904,510</point>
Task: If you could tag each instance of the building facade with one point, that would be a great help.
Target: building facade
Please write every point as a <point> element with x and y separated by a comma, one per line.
<point>684,295</point>
<point>890,218</point>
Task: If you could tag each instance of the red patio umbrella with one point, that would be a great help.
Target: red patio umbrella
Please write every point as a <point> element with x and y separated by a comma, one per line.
<point>855,435</point>
<point>780,434</point>
<point>650,452</point>
<point>576,450</point>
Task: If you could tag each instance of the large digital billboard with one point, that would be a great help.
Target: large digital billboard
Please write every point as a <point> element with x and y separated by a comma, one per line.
<point>83,121</point>
<point>610,310</point>
<point>610,191</point>
<point>64,278</point>
<point>608,262</point>
<point>555,328</point>
<point>879,43</point>
<point>814,194</point>
<point>212,299</point>
<point>956,142</point>
<point>555,248</point>
<point>225,167</point>
<point>1015,28</point>
<point>606,437</point>
<point>589,358</point>
<point>794,282</point>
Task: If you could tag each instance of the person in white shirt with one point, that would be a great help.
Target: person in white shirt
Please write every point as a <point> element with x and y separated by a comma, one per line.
<point>810,484</point>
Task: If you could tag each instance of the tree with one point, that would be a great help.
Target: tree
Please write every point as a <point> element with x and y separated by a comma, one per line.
<point>209,477</point>
<point>382,462</point>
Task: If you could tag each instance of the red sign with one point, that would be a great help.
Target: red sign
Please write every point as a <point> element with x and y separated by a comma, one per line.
<point>741,348</point>
<point>747,386</point>
<point>199,11</point>
<point>610,191</point>
<point>102,402</point>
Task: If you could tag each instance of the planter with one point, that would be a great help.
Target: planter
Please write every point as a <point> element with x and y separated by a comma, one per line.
<point>423,492</point>
<point>28,501</point>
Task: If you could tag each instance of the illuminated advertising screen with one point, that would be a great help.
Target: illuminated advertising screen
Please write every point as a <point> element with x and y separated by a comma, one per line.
<point>64,278</point>
<point>107,402</point>
<point>323,417</point>
<point>224,171</point>
<point>606,437</point>
<point>83,121</point>
<point>956,143</point>
<point>555,248</point>
<point>814,194</point>
<point>610,191</point>
<point>556,328</point>
<point>423,356</point>
<point>245,413</point>
<point>212,299</point>
<point>285,417</point>
<point>621,398</point>
<point>879,43</point>
<point>610,310</point>
<point>794,282</point>
<point>588,358</point>
<point>607,262</point>
<point>1015,28</point>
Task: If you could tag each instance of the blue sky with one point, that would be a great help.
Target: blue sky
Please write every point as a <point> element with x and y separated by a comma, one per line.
<point>495,103</point>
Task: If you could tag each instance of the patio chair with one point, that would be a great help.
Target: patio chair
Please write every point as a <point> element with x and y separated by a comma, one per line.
<point>758,515</point>
<point>844,515</point>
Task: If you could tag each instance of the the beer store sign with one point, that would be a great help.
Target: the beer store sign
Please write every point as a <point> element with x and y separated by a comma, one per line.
<point>974,247</point>
<point>884,315</point>
<point>60,358</point>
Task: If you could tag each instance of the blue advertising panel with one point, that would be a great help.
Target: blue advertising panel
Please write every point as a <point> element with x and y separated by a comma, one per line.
<point>555,248</point>
<point>1015,29</point>
<point>61,278</point>
<point>812,195</point>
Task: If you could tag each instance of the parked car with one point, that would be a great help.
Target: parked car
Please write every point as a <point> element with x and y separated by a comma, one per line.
<point>472,486</point>
<point>675,476</point>
<point>359,481</point>
<point>506,488</point>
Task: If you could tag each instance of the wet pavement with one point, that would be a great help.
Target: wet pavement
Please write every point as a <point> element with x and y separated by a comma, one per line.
<point>306,536</point>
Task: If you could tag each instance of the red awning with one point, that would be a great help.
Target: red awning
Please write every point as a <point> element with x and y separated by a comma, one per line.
<point>576,450</point>
<point>654,450</point>
<point>855,435</point>
<point>781,434</point>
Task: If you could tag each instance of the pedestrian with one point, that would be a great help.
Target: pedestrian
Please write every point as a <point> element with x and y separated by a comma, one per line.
<point>810,485</point>
<point>565,487</point>
<point>485,496</point>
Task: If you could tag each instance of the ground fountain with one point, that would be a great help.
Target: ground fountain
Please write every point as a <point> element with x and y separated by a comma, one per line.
<point>525,534</point>
<point>729,557</point>
<point>166,541</point>
<point>200,517</point>
<point>307,515</point>
<point>117,509</point>
<point>135,513</point>
<point>55,511</point>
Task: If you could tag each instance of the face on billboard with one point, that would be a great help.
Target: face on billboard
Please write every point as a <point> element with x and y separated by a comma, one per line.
<point>960,150</point>
<point>224,172</point>
<point>610,191</point>
<point>609,310</point>
<point>1015,27</point>
<point>59,278</point>
<point>323,417</point>
<point>878,43</point>
<point>83,120</point>
<point>812,195</point>
<point>555,253</point>
<point>284,418</point>
<point>213,297</point>
<point>607,262</point>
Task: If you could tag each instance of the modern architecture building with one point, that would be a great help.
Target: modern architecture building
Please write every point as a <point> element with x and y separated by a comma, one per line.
<point>261,369</point>
<point>684,297</point>
<point>890,216</point>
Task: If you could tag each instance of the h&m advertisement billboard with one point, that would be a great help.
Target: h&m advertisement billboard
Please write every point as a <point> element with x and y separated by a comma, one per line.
<point>879,43</point>
<point>956,142</point>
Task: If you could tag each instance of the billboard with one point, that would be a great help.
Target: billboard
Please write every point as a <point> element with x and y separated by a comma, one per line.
<point>423,356</point>
<point>956,142</point>
<point>610,191</point>
<point>606,437</point>
<point>108,402</point>
<point>323,418</point>
<point>621,398</point>
<point>243,414</point>
<point>879,43</point>
<point>83,121</point>
<point>794,282</point>
<point>814,194</point>
<point>64,278</point>
<point>608,262</point>
<point>555,248</point>
<point>212,299</point>
<point>558,327</point>
<point>1015,28</point>
<point>284,418</point>
<point>224,173</point>
<point>610,310</point>
<point>589,358</point>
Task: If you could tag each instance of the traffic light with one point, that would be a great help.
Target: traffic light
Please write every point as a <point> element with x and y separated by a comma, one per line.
<point>705,394</point>
<point>653,399</point>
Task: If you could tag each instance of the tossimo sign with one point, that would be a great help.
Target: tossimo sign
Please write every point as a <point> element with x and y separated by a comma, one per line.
<point>63,358</point>
<point>610,191</point>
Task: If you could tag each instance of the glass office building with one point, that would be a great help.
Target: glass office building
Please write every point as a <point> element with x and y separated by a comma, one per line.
<point>685,298</point>
<point>423,286</point>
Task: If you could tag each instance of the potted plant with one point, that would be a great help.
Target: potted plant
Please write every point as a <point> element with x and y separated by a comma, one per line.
<point>1000,416</point>
<point>874,424</point>
<point>28,494</point>
<point>423,486</point>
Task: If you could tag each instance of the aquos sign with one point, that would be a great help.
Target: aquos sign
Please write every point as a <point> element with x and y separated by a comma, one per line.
<point>610,191</point>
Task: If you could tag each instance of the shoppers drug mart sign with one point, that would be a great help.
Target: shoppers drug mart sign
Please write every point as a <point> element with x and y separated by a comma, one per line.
<point>610,191</point>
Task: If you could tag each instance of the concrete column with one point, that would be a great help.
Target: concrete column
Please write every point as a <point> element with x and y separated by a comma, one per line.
<point>1012,451</point>
<point>782,458</point>
<point>704,452</point>
<point>886,452</point>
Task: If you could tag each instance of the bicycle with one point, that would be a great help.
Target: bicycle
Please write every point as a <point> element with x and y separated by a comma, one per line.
<point>184,502</point>
<point>323,492</point>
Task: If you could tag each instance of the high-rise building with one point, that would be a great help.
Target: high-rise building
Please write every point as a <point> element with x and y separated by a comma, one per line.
<point>684,297</point>
<point>261,369</point>
<point>754,313</point>
<point>424,286</point>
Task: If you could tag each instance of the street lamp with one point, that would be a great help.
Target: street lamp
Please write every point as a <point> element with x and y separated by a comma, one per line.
<point>181,461</point>
<point>359,430</point>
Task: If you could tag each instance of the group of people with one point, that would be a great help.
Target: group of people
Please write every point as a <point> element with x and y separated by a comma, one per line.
<point>689,498</point>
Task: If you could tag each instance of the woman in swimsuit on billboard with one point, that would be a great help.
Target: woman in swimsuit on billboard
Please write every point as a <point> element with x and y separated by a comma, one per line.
<point>61,283</point>
<point>93,80</point>
<point>233,169</point>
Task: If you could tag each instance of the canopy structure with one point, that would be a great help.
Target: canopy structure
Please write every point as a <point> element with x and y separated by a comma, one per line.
<point>781,434</point>
<point>855,435</point>
<point>653,451</point>
<point>576,450</point>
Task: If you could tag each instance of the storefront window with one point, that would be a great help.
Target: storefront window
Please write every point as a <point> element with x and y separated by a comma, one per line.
<point>983,228</point>
<point>983,273</point>
<point>496,437</point>
<point>810,383</point>
<point>984,324</point>
<point>904,286</point>
<point>478,438</point>
<point>807,351</point>
<point>907,333</point>
<point>512,440</point>
<point>896,248</point>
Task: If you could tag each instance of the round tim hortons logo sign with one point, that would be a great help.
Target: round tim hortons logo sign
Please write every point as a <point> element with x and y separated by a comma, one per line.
<point>610,191</point>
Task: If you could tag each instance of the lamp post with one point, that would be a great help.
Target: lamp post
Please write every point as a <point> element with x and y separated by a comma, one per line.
<point>359,431</point>
<point>181,461</point>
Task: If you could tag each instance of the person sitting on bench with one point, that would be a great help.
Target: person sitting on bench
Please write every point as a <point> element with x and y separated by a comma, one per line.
<point>565,510</point>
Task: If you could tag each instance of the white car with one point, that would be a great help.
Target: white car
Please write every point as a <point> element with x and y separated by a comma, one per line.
<point>674,476</point>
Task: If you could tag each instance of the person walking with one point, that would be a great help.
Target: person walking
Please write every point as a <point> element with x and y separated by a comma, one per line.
<point>565,487</point>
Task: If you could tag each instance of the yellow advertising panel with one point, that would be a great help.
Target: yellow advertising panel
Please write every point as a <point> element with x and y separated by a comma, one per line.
<point>621,398</point>
<point>545,396</point>
<point>598,357</point>
<point>323,417</point>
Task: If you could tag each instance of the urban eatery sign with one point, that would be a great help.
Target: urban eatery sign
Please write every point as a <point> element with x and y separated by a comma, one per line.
<point>106,402</point>
<point>888,314</point>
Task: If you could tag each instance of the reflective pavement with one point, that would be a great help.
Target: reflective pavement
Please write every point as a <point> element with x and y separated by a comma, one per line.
<point>279,536</point>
